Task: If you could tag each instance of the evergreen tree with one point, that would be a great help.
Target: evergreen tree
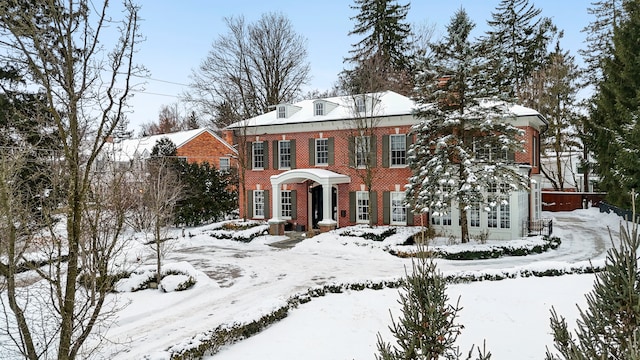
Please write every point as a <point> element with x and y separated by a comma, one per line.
<point>464,144</point>
<point>380,59</point>
<point>164,148</point>
<point>427,328</point>
<point>609,327</point>
<point>553,91</point>
<point>209,194</point>
<point>516,44</point>
<point>599,44</point>
<point>613,122</point>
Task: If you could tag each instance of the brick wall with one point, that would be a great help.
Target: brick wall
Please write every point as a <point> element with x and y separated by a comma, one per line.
<point>385,179</point>
<point>206,147</point>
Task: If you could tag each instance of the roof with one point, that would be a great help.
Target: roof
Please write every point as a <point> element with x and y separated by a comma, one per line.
<point>389,104</point>
<point>342,107</point>
<point>141,148</point>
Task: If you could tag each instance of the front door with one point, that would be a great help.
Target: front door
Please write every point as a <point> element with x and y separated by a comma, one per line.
<point>317,205</point>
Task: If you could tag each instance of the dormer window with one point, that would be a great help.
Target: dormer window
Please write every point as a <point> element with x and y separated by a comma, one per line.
<point>319,109</point>
<point>282,112</point>
<point>360,105</point>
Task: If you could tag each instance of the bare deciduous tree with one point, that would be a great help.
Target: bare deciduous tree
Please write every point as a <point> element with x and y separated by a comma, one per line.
<point>61,47</point>
<point>156,194</point>
<point>250,68</point>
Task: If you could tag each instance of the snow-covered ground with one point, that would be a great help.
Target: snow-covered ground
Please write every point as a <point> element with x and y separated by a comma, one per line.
<point>240,282</point>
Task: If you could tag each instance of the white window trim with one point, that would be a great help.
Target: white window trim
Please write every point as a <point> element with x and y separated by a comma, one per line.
<point>364,196</point>
<point>282,204</point>
<point>253,156</point>
<point>316,150</point>
<point>318,109</point>
<point>228,165</point>
<point>365,153</point>
<point>258,195</point>
<point>391,151</point>
<point>280,142</point>
<point>401,194</point>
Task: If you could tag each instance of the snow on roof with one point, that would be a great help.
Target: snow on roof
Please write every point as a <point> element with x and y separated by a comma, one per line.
<point>389,103</point>
<point>141,148</point>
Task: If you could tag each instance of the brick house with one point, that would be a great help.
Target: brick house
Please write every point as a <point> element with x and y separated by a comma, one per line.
<point>198,145</point>
<point>305,166</point>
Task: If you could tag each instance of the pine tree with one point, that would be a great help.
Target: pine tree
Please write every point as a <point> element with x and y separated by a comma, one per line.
<point>599,45</point>
<point>552,91</point>
<point>516,44</point>
<point>464,144</point>
<point>380,59</point>
<point>613,121</point>
<point>427,328</point>
<point>609,327</point>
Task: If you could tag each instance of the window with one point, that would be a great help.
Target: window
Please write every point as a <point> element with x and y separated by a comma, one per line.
<point>258,204</point>
<point>258,155</point>
<point>224,164</point>
<point>322,151</point>
<point>362,207</point>
<point>319,109</point>
<point>282,112</point>
<point>362,145</point>
<point>490,152</point>
<point>441,218</point>
<point>360,105</point>
<point>284,154</point>
<point>492,217</point>
<point>398,148</point>
<point>474,215</point>
<point>398,210</point>
<point>505,215</point>
<point>285,198</point>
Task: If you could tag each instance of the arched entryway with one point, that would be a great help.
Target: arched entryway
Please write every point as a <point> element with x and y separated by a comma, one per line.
<point>326,180</point>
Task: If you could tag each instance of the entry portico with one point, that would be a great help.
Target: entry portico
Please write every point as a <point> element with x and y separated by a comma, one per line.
<point>325,178</point>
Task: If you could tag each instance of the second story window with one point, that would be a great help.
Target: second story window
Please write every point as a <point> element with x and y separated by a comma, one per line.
<point>224,164</point>
<point>319,109</point>
<point>360,105</point>
<point>282,112</point>
<point>398,148</point>
<point>322,151</point>
<point>284,154</point>
<point>258,155</point>
<point>362,145</point>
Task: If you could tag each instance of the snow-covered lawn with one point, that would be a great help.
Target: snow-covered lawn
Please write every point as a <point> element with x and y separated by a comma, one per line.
<point>239,282</point>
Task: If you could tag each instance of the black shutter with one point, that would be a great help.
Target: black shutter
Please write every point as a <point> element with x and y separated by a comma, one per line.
<point>249,203</point>
<point>352,206</point>
<point>373,207</point>
<point>294,204</point>
<point>265,147</point>
<point>292,143</point>
<point>385,151</point>
<point>331,150</point>
<point>267,204</point>
<point>312,152</point>
<point>276,162</point>
<point>352,151</point>
<point>373,153</point>
<point>386,207</point>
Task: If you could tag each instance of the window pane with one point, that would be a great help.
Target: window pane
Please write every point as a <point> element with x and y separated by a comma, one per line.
<point>285,154</point>
<point>398,210</point>
<point>505,218</point>
<point>224,164</point>
<point>282,112</point>
<point>258,155</point>
<point>474,215</point>
<point>319,109</point>
<point>362,150</point>
<point>286,203</point>
<point>258,203</point>
<point>398,147</point>
<point>362,206</point>
<point>322,152</point>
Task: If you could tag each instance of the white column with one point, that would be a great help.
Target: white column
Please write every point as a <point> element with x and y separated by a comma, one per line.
<point>275,203</point>
<point>326,205</point>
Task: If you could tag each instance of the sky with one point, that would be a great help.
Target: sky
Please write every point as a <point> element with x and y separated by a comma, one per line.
<point>179,35</point>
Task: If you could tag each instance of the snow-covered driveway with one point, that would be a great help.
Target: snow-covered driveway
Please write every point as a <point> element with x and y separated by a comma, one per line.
<point>242,280</point>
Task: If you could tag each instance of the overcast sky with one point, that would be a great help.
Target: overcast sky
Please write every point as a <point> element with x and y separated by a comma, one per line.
<point>179,35</point>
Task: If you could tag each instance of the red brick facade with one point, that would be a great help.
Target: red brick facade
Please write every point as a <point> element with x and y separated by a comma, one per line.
<point>385,178</point>
<point>207,147</point>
